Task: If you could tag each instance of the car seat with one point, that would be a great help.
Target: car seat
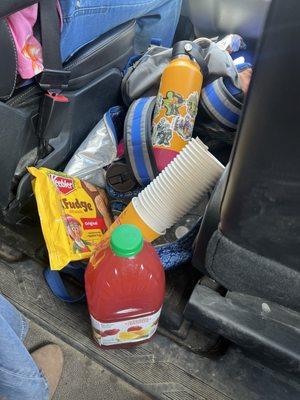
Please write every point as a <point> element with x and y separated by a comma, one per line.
<point>218,17</point>
<point>37,129</point>
<point>249,241</point>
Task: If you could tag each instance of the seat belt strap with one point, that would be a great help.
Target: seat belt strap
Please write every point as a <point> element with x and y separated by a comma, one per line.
<point>50,30</point>
<point>53,78</point>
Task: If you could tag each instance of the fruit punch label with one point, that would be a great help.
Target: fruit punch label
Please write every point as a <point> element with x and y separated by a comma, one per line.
<point>128,331</point>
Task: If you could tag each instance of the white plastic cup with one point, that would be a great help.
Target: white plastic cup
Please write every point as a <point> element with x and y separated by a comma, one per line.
<point>207,157</point>
<point>179,186</point>
<point>146,218</point>
<point>178,183</point>
<point>153,213</point>
<point>188,182</point>
<point>150,213</point>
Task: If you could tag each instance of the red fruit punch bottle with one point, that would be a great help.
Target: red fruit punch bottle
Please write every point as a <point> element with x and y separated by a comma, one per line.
<point>125,286</point>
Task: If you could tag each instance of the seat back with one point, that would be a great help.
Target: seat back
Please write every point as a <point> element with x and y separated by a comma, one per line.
<point>94,86</point>
<point>217,17</point>
<point>255,249</point>
<point>8,65</point>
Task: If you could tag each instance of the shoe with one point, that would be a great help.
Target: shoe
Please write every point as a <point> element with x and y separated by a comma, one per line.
<point>49,360</point>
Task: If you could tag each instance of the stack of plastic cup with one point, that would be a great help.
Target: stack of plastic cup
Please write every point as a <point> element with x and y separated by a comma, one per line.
<point>189,177</point>
<point>182,184</point>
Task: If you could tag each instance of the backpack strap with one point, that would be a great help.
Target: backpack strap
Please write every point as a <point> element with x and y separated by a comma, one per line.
<point>138,140</point>
<point>57,286</point>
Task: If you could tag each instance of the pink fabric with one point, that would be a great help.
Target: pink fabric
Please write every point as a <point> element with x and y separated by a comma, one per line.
<point>29,49</point>
<point>121,149</point>
<point>163,157</point>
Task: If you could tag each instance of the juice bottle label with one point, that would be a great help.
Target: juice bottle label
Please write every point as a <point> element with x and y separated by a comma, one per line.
<point>128,331</point>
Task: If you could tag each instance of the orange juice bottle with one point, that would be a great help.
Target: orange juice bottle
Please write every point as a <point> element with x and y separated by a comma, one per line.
<point>125,287</point>
<point>177,102</point>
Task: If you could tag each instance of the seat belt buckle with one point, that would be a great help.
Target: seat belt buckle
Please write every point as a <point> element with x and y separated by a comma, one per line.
<point>53,108</point>
<point>54,80</point>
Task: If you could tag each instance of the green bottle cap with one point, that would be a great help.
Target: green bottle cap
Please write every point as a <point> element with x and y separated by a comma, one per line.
<point>126,240</point>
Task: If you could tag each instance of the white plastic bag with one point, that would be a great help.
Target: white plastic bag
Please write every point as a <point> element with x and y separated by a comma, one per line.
<point>98,150</point>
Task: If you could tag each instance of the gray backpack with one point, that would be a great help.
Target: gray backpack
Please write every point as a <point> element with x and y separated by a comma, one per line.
<point>143,77</point>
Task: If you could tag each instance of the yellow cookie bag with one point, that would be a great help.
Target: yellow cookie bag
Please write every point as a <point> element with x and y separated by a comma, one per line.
<point>74,215</point>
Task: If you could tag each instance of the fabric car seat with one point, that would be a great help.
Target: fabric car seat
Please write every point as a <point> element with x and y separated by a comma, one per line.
<point>218,17</point>
<point>94,75</point>
<point>249,241</point>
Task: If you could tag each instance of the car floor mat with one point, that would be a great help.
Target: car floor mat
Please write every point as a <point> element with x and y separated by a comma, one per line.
<point>161,368</point>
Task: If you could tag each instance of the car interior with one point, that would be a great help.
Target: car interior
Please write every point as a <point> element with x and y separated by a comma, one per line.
<point>230,325</point>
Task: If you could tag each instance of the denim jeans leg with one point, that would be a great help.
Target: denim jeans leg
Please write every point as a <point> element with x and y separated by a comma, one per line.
<point>14,318</point>
<point>85,20</point>
<point>20,378</point>
<point>160,23</point>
